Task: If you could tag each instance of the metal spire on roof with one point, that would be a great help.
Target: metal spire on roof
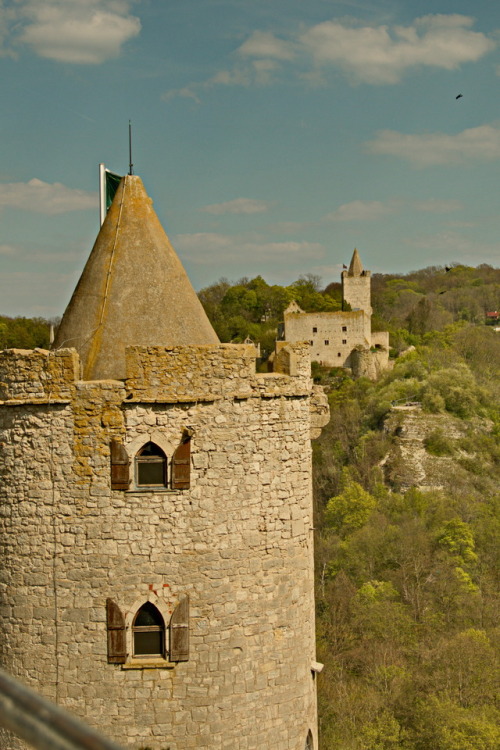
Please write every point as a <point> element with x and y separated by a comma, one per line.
<point>130,165</point>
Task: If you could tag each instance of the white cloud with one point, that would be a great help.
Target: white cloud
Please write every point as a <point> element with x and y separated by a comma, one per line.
<point>74,31</point>
<point>263,44</point>
<point>186,92</point>
<point>208,248</point>
<point>478,144</point>
<point>360,211</point>
<point>237,206</point>
<point>263,71</point>
<point>255,73</point>
<point>236,77</point>
<point>381,55</point>
<point>366,54</point>
<point>45,198</point>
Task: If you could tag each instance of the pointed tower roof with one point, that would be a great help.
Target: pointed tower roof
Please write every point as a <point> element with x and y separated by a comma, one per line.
<point>133,291</point>
<point>356,267</point>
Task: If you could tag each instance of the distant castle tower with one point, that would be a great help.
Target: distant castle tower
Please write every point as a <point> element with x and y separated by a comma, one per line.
<point>343,338</point>
<point>356,285</point>
<point>156,535</point>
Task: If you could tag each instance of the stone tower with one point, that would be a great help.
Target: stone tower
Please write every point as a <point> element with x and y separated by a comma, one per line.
<point>156,533</point>
<point>356,285</point>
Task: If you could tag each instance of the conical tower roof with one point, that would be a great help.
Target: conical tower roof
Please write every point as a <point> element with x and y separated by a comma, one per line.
<point>356,267</point>
<point>133,291</point>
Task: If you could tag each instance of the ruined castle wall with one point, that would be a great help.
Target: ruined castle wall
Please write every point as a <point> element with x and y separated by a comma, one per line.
<point>370,363</point>
<point>380,339</point>
<point>239,542</point>
<point>332,335</point>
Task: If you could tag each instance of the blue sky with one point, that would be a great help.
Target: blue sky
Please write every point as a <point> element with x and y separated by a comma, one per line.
<point>274,136</point>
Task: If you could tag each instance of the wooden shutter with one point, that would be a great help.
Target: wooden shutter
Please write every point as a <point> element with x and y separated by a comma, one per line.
<point>120,473</point>
<point>179,631</point>
<point>117,650</point>
<point>181,465</point>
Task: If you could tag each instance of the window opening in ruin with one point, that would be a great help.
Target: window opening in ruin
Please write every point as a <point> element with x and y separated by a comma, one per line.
<point>315,330</point>
<point>149,632</point>
<point>312,342</point>
<point>151,466</point>
<point>344,341</point>
<point>344,329</point>
<point>326,342</point>
<point>309,741</point>
<point>339,354</point>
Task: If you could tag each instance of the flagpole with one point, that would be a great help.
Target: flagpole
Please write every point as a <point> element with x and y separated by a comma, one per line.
<point>102,193</point>
<point>131,166</point>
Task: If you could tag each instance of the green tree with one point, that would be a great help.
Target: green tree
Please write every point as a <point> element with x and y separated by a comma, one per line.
<point>442,725</point>
<point>351,508</point>
<point>457,538</point>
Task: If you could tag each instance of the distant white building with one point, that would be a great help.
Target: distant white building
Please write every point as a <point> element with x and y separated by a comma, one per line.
<point>343,338</point>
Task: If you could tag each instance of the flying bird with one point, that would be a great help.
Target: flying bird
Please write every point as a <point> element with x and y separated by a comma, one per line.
<point>459,96</point>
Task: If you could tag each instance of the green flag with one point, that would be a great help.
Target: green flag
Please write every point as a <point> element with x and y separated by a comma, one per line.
<point>112,182</point>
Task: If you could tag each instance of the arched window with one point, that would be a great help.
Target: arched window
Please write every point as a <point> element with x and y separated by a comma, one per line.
<point>151,466</point>
<point>309,741</point>
<point>149,632</point>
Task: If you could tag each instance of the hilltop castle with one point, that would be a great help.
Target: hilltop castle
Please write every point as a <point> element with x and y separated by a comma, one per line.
<point>156,512</point>
<point>344,338</point>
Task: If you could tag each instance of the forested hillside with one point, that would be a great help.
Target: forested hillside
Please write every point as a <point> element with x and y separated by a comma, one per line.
<point>408,583</point>
<point>24,333</point>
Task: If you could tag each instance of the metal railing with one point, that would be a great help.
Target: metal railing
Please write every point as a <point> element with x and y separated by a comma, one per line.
<point>41,723</point>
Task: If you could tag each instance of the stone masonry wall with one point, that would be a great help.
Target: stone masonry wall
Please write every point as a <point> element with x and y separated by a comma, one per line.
<point>37,374</point>
<point>181,373</point>
<point>239,542</point>
<point>320,328</point>
<point>356,290</point>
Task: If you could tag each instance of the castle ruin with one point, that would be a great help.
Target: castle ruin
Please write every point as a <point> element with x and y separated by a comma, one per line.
<point>343,338</point>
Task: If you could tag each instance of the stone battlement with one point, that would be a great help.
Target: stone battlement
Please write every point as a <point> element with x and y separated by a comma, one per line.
<point>37,375</point>
<point>169,374</point>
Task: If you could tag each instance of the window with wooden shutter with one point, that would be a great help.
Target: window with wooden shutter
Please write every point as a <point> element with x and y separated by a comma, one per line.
<point>151,466</point>
<point>120,472</point>
<point>181,464</point>
<point>149,632</point>
<point>179,631</point>
<point>117,650</point>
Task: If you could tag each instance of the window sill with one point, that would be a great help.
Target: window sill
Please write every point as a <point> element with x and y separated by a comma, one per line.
<point>148,664</point>
<point>150,490</point>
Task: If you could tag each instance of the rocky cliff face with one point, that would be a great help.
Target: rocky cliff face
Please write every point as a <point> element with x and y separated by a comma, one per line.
<point>427,452</point>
